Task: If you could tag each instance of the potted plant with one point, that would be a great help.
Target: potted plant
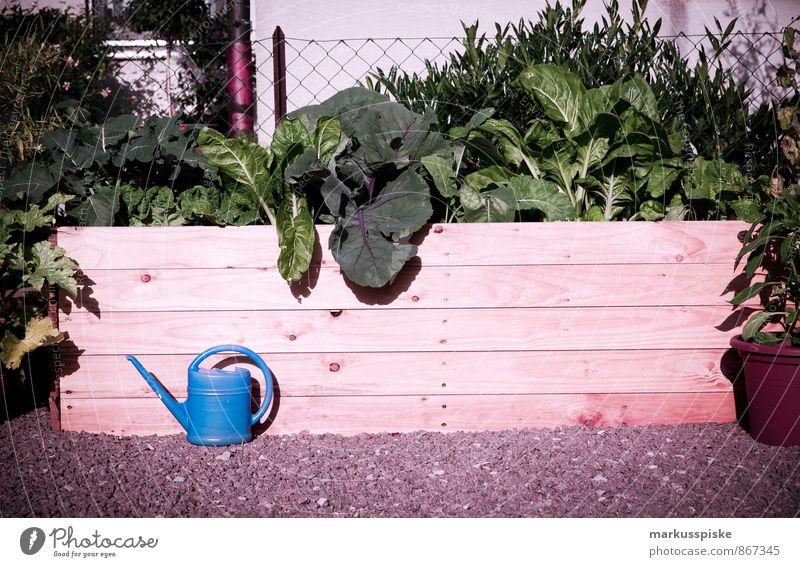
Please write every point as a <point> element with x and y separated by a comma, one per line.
<point>770,341</point>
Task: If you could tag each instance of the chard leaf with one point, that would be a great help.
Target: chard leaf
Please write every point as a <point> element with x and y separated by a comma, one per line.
<point>590,152</point>
<point>560,165</point>
<point>541,134</point>
<point>244,162</point>
<point>595,214</point>
<point>638,94</point>
<point>651,210</point>
<point>477,119</point>
<point>661,178</point>
<point>541,195</point>
<point>497,205</point>
<point>296,240</point>
<point>600,99</point>
<point>560,93</point>
<point>492,175</point>
<point>444,178</point>
<point>327,135</point>
<point>711,177</point>
<point>511,143</point>
<point>365,242</point>
<point>289,139</point>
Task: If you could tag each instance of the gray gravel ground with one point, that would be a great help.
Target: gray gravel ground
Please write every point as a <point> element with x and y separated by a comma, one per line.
<point>654,471</point>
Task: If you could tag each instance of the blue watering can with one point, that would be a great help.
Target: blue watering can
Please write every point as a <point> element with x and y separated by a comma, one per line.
<point>217,411</point>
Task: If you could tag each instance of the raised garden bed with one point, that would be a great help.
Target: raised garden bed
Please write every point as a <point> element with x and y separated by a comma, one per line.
<point>492,326</point>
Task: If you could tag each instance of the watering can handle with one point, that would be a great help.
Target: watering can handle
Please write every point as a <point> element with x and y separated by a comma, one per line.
<point>267,397</point>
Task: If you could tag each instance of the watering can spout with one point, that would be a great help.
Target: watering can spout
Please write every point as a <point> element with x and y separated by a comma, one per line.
<point>178,409</point>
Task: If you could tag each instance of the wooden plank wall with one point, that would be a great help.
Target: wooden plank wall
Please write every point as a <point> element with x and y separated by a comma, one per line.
<point>492,326</point>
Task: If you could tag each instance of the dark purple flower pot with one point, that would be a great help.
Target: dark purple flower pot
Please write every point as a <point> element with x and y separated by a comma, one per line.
<point>772,383</point>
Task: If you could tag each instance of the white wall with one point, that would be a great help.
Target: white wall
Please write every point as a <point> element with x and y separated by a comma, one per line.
<point>74,6</point>
<point>326,65</point>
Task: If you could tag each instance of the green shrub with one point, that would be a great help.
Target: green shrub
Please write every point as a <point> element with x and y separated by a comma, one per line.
<point>82,77</point>
<point>702,102</point>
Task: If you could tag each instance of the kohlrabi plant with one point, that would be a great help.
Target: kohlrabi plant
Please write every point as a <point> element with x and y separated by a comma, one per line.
<point>365,163</point>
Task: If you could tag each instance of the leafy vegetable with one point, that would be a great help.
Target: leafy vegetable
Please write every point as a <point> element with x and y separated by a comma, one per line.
<point>30,264</point>
<point>363,166</point>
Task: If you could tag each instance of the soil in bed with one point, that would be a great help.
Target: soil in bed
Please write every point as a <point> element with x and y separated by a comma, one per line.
<point>712,470</point>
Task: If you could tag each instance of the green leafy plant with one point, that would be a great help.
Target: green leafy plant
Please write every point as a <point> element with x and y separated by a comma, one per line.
<point>29,76</point>
<point>30,264</point>
<point>131,171</point>
<point>509,189</point>
<point>701,101</point>
<point>772,249</point>
<point>354,160</point>
<point>598,153</point>
<point>83,73</point>
<point>258,172</point>
<point>772,244</point>
<point>366,166</point>
<point>789,113</point>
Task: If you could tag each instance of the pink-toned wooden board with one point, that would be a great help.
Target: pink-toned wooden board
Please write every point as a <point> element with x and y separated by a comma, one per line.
<point>401,330</point>
<point>706,242</point>
<point>350,415</point>
<point>493,326</point>
<point>415,288</point>
<point>348,374</point>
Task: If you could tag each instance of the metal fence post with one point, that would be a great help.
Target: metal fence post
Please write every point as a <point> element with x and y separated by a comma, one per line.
<point>240,75</point>
<point>279,72</point>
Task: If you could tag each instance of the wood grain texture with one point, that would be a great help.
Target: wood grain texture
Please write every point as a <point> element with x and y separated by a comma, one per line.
<point>495,244</point>
<point>347,374</point>
<point>491,327</point>
<point>583,328</point>
<point>440,287</point>
<point>350,415</point>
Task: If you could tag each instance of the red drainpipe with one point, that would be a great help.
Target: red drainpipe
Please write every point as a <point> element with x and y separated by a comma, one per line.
<point>240,72</point>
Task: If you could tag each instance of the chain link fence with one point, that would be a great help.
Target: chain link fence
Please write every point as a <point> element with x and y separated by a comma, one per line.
<point>152,77</point>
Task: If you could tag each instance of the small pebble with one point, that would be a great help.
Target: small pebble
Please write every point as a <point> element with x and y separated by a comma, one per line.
<point>242,498</point>
<point>178,479</point>
<point>224,456</point>
<point>600,478</point>
<point>150,447</point>
<point>322,502</point>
